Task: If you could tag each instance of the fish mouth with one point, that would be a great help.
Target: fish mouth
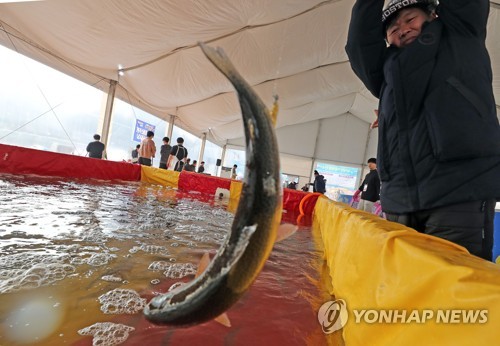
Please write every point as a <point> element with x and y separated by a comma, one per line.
<point>157,303</point>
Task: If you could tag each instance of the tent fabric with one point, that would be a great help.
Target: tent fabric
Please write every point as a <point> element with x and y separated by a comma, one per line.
<point>18,160</point>
<point>379,265</point>
<point>293,48</point>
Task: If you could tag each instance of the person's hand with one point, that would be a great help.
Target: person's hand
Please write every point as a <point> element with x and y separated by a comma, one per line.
<point>374,125</point>
<point>356,194</point>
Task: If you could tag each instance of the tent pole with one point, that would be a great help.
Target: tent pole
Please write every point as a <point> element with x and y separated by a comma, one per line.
<point>315,149</point>
<point>202,150</point>
<point>106,122</point>
<point>170,129</point>
<point>222,158</point>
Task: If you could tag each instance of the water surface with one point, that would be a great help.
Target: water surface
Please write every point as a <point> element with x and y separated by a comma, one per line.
<point>79,259</point>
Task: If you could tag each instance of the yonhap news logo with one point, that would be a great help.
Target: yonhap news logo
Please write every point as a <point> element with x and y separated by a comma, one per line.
<point>333,315</point>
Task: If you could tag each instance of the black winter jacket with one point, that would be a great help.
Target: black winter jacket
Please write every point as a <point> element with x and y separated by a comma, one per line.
<point>370,187</point>
<point>319,184</point>
<point>439,136</point>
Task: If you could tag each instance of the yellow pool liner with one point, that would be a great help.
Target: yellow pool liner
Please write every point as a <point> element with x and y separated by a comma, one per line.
<point>379,265</point>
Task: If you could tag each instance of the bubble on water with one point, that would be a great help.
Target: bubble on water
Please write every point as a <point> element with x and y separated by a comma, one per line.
<point>90,248</point>
<point>94,236</point>
<point>28,271</point>
<point>71,248</point>
<point>158,265</point>
<point>107,333</point>
<point>174,244</point>
<point>77,261</point>
<point>179,270</point>
<point>135,249</point>
<point>176,285</point>
<point>154,249</point>
<point>155,281</point>
<point>111,278</point>
<point>121,301</point>
<point>200,238</point>
<point>99,259</point>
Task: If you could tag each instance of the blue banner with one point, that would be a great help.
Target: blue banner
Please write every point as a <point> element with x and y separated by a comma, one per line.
<point>141,129</point>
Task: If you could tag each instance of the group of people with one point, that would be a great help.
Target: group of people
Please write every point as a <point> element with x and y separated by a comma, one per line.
<point>170,156</point>
<point>146,151</point>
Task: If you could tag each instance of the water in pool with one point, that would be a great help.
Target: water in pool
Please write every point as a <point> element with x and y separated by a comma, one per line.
<point>79,260</point>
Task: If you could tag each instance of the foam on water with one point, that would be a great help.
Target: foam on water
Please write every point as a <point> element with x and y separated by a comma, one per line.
<point>107,333</point>
<point>174,270</point>
<point>121,301</point>
<point>152,249</point>
<point>99,259</point>
<point>31,270</point>
<point>179,270</point>
<point>112,278</point>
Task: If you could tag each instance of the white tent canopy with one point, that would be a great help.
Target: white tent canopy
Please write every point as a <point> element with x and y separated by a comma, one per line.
<point>294,48</point>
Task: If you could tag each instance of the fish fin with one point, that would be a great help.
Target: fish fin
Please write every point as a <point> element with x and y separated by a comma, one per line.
<point>285,230</point>
<point>223,319</point>
<point>203,264</point>
<point>274,111</point>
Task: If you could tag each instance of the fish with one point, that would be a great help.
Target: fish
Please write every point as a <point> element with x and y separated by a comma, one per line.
<point>253,232</point>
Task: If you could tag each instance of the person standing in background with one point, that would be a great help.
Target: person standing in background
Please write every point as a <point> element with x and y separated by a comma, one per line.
<point>190,167</point>
<point>135,154</point>
<point>178,154</point>
<point>147,150</point>
<point>319,184</point>
<point>96,148</point>
<point>234,175</point>
<point>201,169</point>
<point>370,188</point>
<point>165,152</point>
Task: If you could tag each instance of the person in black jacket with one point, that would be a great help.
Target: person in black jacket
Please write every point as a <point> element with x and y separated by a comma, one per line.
<point>201,169</point>
<point>370,187</point>
<point>178,154</point>
<point>96,148</point>
<point>319,184</point>
<point>439,137</point>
